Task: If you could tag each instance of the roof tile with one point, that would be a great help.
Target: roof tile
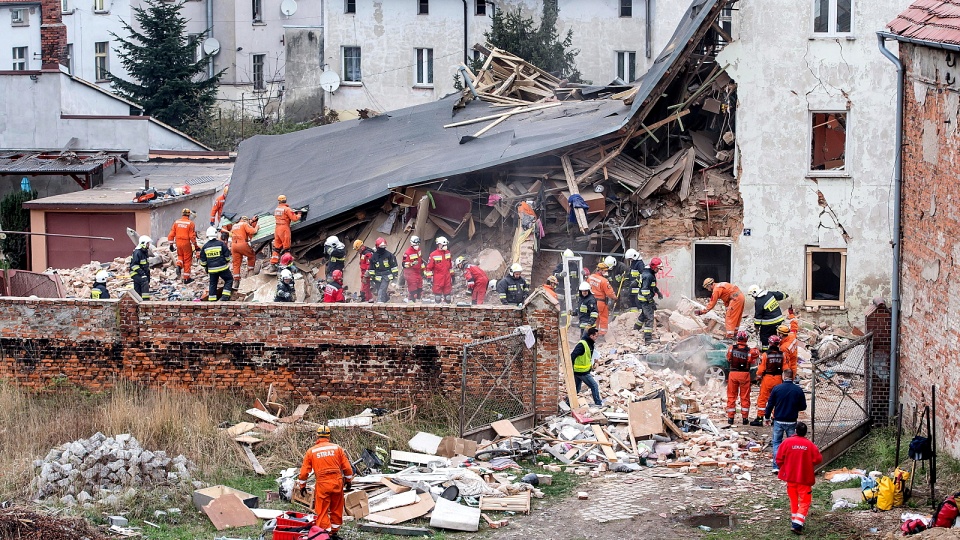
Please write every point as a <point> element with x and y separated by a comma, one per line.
<point>930,20</point>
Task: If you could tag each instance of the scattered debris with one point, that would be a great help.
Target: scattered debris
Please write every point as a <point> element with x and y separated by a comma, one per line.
<point>16,522</point>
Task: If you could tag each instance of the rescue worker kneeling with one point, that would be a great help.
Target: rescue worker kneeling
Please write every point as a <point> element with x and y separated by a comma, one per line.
<point>333,472</point>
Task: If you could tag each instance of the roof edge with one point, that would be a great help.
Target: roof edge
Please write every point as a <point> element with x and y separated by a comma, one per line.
<point>914,41</point>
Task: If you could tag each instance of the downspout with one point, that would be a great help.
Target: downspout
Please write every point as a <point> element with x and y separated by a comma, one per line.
<point>210,35</point>
<point>465,62</point>
<point>649,23</point>
<point>897,185</point>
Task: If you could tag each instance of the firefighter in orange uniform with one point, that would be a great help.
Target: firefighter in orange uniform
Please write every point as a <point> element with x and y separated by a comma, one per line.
<point>184,233</point>
<point>333,472</point>
<point>241,234</point>
<point>604,293</point>
<point>732,298</point>
<point>740,357</point>
<point>770,374</point>
<point>284,216</point>
<point>217,211</point>
<point>788,341</point>
<point>551,286</point>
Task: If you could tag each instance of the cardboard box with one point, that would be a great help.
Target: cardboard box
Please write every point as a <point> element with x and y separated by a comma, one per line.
<point>454,446</point>
<point>356,504</point>
<point>203,497</point>
<point>306,499</point>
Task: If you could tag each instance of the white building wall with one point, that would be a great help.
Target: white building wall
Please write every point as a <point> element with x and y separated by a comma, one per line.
<point>86,27</point>
<point>783,72</point>
<point>20,36</point>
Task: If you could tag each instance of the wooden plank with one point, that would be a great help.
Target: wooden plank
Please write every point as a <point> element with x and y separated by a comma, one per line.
<point>667,421</point>
<point>262,415</point>
<point>518,110</point>
<point>574,190</point>
<point>240,428</point>
<point>604,444</point>
<point>505,428</point>
<point>645,418</point>
<point>247,439</point>
<point>253,459</point>
<point>566,366</point>
<point>514,503</point>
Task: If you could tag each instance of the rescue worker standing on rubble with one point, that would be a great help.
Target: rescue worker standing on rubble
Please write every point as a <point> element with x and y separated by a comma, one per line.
<point>582,358</point>
<point>215,258</point>
<point>216,213</point>
<point>331,468</point>
<point>286,289</point>
<point>572,269</point>
<point>333,290</point>
<point>786,402</point>
<point>413,266</point>
<point>732,299</point>
<point>634,278</point>
<point>587,308</point>
<point>513,289</point>
<point>283,215</point>
<point>788,341</point>
<point>336,255</point>
<point>440,270</point>
<point>648,306</point>
<point>740,357</point>
<point>99,290</point>
<point>476,279</point>
<point>767,314</point>
<point>605,295</point>
<point>551,286</point>
<point>364,254</point>
<point>617,276</point>
<point>770,374</point>
<point>241,234</point>
<point>140,268</point>
<point>183,235</point>
<point>383,270</point>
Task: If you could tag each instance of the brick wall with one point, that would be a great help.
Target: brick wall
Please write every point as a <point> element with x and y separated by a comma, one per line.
<point>53,35</point>
<point>930,296</point>
<point>377,354</point>
<point>877,371</point>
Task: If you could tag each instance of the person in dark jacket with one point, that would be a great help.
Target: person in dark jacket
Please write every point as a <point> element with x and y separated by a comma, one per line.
<point>582,359</point>
<point>784,405</point>
<point>140,268</point>
<point>587,309</point>
<point>336,254</point>
<point>513,289</point>
<point>99,290</point>
<point>215,259</point>
<point>767,315</point>
<point>572,269</point>
<point>286,290</point>
<point>648,305</point>
<point>383,270</point>
<point>796,459</point>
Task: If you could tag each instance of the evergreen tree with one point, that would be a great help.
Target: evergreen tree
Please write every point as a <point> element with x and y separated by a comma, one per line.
<point>13,217</point>
<point>538,44</point>
<point>166,81</point>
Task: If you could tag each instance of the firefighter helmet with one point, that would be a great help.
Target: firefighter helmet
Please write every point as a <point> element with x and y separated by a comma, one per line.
<point>707,283</point>
<point>516,268</point>
<point>102,276</point>
<point>584,286</point>
<point>357,244</point>
<point>381,243</point>
<point>186,211</point>
<point>337,275</point>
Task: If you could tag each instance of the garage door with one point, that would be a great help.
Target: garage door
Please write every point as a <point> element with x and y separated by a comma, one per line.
<point>73,252</point>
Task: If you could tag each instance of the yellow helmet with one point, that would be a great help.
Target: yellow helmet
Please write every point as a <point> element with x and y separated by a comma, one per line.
<point>186,211</point>
<point>323,430</point>
<point>783,330</point>
<point>602,266</point>
<point>357,244</point>
<point>281,198</point>
<point>708,282</point>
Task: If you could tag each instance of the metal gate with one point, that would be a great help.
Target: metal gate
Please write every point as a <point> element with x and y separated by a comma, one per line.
<point>499,381</point>
<point>839,398</point>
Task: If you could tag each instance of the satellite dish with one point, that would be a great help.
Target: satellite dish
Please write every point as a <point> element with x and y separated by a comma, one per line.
<point>211,46</point>
<point>288,7</point>
<point>329,80</point>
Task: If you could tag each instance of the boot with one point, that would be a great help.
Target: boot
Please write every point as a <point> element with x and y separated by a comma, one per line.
<point>179,270</point>
<point>757,422</point>
<point>446,300</point>
<point>730,421</point>
<point>437,299</point>
<point>188,281</point>
<point>746,421</point>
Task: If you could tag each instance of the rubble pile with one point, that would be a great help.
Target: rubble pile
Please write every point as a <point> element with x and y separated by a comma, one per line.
<point>25,524</point>
<point>105,470</point>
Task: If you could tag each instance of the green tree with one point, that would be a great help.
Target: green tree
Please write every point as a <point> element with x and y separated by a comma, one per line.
<point>165,79</point>
<point>541,45</point>
<point>13,217</point>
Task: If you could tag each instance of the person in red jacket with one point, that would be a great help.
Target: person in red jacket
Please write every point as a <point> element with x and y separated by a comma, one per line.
<point>477,280</point>
<point>796,459</point>
<point>413,266</point>
<point>184,234</point>
<point>331,467</point>
<point>440,269</point>
<point>364,254</point>
<point>333,290</point>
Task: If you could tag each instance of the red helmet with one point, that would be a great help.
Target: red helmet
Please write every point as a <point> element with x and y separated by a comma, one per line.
<point>655,262</point>
<point>773,340</point>
<point>381,242</point>
<point>286,259</point>
<point>337,275</point>
<point>742,336</point>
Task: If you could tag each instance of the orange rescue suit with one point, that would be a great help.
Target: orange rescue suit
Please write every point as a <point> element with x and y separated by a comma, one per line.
<point>789,346</point>
<point>284,216</point>
<point>770,373</point>
<point>331,467</point>
<point>217,211</point>
<point>733,300</point>
<point>603,292</point>
<point>739,357</point>
<point>240,236</point>
<point>184,233</point>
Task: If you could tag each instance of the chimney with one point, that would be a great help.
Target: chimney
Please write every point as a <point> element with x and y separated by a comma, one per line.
<point>53,35</point>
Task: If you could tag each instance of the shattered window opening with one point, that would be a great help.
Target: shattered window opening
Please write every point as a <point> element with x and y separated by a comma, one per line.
<point>828,142</point>
<point>826,276</point>
<point>832,16</point>
<point>351,64</point>
<point>424,67</point>
<point>626,8</point>
<point>627,66</point>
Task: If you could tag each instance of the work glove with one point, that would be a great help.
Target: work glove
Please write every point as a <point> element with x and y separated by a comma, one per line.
<point>698,312</point>
<point>211,222</point>
<point>791,312</point>
<point>660,295</point>
<point>255,219</point>
<point>173,248</point>
<point>347,486</point>
<point>302,486</point>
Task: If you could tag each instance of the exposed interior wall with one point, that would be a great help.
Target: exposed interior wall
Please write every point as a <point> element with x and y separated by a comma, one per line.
<point>357,352</point>
<point>930,295</point>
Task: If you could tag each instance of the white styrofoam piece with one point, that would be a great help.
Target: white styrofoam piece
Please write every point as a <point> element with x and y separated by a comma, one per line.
<point>426,443</point>
<point>394,500</point>
<point>450,515</point>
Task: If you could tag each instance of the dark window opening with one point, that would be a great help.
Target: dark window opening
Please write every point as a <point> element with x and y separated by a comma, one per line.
<point>626,8</point>
<point>350,6</point>
<point>826,271</point>
<point>481,7</point>
<point>423,7</point>
<point>828,146</point>
<point>710,261</point>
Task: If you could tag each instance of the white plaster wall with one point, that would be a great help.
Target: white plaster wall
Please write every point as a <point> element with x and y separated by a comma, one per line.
<point>20,36</point>
<point>85,28</point>
<point>29,120</point>
<point>783,72</point>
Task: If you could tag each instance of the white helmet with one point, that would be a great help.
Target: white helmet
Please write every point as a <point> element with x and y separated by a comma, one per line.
<point>414,240</point>
<point>144,240</point>
<point>102,276</point>
<point>331,241</point>
<point>754,290</point>
<point>211,233</point>
<point>632,254</point>
<point>568,253</point>
<point>441,240</point>
<point>285,275</point>
<point>515,267</point>
<point>584,286</point>
<point>610,261</point>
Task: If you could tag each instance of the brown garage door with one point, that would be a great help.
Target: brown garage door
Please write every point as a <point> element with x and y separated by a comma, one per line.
<point>73,252</point>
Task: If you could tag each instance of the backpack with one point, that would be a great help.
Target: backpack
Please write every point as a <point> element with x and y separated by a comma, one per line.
<point>868,489</point>
<point>900,478</point>
<point>913,526</point>
<point>885,492</point>
<point>946,513</point>
<point>920,448</point>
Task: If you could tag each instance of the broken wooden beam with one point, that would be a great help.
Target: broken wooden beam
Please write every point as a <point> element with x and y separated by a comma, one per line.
<point>518,110</point>
<point>572,184</point>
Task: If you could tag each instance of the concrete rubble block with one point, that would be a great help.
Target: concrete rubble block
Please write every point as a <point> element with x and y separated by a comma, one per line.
<point>622,380</point>
<point>683,325</point>
<point>492,262</point>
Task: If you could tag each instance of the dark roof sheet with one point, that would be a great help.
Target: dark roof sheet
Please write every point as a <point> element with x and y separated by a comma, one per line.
<point>929,20</point>
<point>33,163</point>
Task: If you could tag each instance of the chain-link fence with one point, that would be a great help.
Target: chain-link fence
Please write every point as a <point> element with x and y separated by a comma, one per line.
<point>499,381</point>
<point>840,395</point>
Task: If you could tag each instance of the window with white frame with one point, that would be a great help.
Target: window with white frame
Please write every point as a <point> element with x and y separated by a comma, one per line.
<point>351,64</point>
<point>257,11</point>
<point>68,59</point>
<point>258,64</point>
<point>349,6</point>
<point>828,143</point>
<point>100,6</point>
<point>423,7</point>
<point>481,7</point>
<point>101,60</point>
<point>19,17</point>
<point>627,66</point>
<point>65,6</point>
<point>626,8</point>
<point>19,58</point>
<point>424,67</point>
<point>832,16</point>
<point>826,276</point>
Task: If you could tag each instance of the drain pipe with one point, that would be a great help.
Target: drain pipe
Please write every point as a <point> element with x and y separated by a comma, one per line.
<point>210,35</point>
<point>465,42</point>
<point>897,185</point>
<point>648,40</point>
